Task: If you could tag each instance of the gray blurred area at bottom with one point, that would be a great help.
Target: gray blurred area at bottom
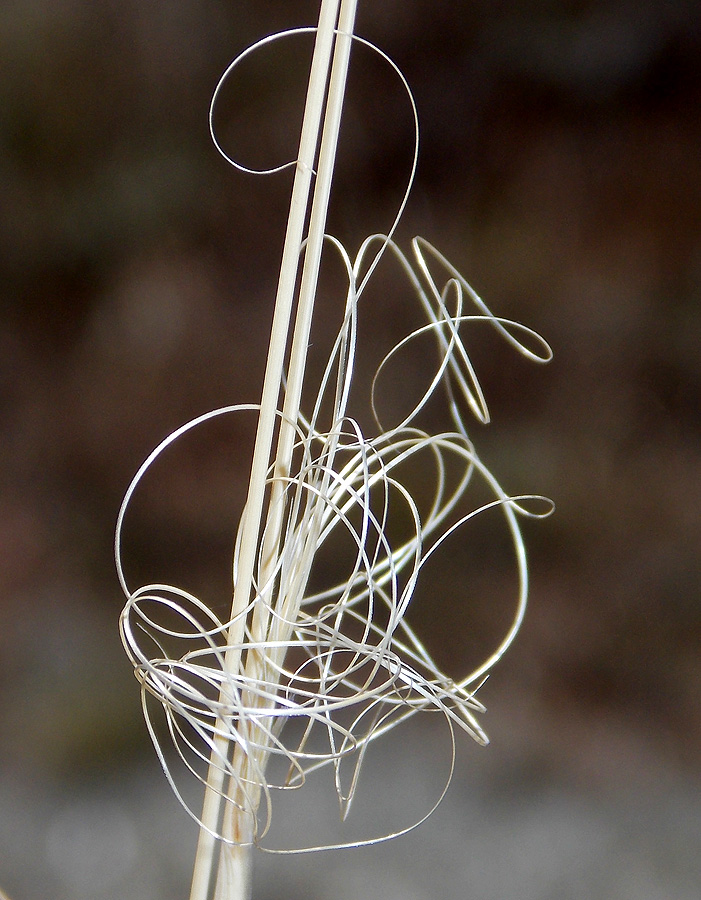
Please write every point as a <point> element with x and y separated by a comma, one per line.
<point>507,830</point>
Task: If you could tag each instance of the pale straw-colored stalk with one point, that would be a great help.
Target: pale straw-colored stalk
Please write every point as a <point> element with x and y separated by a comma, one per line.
<point>331,52</point>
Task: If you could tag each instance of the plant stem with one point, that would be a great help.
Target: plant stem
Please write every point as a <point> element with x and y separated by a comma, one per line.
<point>233,882</point>
<point>305,308</point>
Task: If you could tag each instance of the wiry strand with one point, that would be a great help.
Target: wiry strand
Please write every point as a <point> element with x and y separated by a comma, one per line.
<point>310,677</point>
<point>345,481</point>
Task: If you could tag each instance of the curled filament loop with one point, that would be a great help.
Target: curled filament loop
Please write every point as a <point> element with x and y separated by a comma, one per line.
<point>321,674</point>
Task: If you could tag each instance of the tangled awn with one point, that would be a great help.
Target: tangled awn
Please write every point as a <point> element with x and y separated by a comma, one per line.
<point>296,680</point>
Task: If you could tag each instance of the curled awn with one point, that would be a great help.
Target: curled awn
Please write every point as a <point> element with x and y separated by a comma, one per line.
<point>298,677</point>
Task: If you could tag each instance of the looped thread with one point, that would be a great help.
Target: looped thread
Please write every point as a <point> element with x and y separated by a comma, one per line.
<point>291,163</point>
<point>333,669</point>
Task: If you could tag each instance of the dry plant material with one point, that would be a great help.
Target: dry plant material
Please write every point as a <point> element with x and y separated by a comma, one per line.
<point>296,681</point>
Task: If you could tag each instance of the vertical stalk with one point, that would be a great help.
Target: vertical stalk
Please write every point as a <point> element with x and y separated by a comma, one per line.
<point>233,882</point>
<point>305,308</point>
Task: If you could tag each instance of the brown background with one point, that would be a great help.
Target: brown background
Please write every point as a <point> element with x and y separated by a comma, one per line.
<point>559,171</point>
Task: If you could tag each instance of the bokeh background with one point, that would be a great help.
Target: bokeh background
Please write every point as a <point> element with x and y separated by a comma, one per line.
<point>560,172</point>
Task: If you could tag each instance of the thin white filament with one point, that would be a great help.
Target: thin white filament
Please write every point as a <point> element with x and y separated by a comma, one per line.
<point>341,660</point>
<point>347,481</point>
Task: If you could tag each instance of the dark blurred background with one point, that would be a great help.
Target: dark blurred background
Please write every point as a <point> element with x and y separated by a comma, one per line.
<point>560,173</point>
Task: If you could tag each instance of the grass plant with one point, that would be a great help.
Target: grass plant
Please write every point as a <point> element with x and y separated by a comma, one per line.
<point>297,680</point>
